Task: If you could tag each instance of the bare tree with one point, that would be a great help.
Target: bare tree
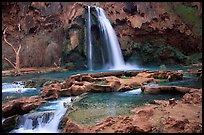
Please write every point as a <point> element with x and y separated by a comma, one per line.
<point>15,65</point>
<point>59,63</point>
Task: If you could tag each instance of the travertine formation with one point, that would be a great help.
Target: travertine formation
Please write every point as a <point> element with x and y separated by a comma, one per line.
<point>173,116</point>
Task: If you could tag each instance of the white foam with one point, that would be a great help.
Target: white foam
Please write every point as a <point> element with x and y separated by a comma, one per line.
<point>52,125</point>
<point>15,87</point>
<point>136,91</point>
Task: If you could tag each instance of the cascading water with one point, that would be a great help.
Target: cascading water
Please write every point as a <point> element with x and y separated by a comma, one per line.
<point>90,52</point>
<point>115,58</point>
<point>108,33</point>
<point>47,122</point>
<point>15,87</point>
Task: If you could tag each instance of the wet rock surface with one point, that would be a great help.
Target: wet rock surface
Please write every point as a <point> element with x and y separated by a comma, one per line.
<point>166,89</point>
<point>173,116</point>
<point>106,82</point>
<point>21,106</point>
<point>9,123</point>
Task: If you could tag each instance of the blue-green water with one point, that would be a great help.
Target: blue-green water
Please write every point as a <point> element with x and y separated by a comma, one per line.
<point>97,106</point>
<point>65,75</point>
<point>15,91</point>
<point>188,81</point>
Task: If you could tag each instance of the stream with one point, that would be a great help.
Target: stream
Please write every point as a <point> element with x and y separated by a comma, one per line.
<point>91,109</point>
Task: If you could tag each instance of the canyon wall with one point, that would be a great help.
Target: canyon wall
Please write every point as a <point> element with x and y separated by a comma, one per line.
<point>54,33</point>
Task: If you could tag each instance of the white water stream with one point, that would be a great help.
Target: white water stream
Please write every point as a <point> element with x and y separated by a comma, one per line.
<point>114,54</point>
<point>50,126</point>
<point>90,48</point>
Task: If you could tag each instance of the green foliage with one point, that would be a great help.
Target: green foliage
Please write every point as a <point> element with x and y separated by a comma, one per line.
<point>190,16</point>
<point>81,41</point>
<point>5,66</point>
<point>67,41</point>
<point>195,58</point>
<point>69,66</point>
<point>162,67</point>
<point>156,52</point>
<point>67,48</point>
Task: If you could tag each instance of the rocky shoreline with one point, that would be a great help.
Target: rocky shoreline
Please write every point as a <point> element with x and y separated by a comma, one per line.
<point>24,71</point>
<point>117,82</point>
<point>171,116</point>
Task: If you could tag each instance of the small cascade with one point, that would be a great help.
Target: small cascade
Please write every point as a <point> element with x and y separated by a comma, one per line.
<point>90,48</point>
<point>15,87</point>
<point>43,122</point>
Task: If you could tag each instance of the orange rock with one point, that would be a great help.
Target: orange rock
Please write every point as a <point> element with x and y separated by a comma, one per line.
<point>21,106</point>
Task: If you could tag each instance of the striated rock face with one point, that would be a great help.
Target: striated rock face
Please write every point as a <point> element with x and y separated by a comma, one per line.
<point>171,116</point>
<point>56,31</point>
<point>21,106</point>
<point>45,31</point>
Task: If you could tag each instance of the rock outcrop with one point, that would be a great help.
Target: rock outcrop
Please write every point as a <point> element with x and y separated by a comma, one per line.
<point>106,82</point>
<point>166,89</point>
<point>9,123</point>
<point>21,106</point>
<point>173,116</point>
<point>56,32</point>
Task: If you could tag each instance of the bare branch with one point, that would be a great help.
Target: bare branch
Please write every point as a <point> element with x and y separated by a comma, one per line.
<point>19,48</point>
<point>6,59</point>
<point>7,41</point>
<point>55,64</point>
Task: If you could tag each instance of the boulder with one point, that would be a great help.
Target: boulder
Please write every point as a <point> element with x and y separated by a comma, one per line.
<point>72,127</point>
<point>21,106</point>
<point>195,97</point>
<point>9,123</point>
<point>54,91</point>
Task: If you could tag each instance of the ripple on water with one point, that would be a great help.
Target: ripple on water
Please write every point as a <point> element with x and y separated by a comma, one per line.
<point>95,107</point>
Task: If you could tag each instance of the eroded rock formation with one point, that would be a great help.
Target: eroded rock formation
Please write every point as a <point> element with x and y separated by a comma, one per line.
<point>106,82</point>
<point>21,106</point>
<point>56,32</point>
<point>173,116</point>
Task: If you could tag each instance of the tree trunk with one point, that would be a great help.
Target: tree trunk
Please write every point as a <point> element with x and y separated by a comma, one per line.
<point>17,53</point>
<point>17,62</point>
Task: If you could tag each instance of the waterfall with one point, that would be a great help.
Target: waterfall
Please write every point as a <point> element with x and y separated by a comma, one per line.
<point>108,33</point>
<point>90,52</point>
<point>44,121</point>
<point>111,55</point>
<point>109,41</point>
